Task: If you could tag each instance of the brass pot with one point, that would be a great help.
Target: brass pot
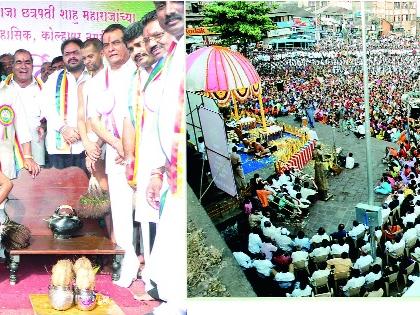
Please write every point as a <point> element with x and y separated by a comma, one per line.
<point>61,298</point>
<point>85,300</point>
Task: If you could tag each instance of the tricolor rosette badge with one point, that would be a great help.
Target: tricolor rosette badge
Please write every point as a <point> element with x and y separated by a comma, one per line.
<point>7,115</point>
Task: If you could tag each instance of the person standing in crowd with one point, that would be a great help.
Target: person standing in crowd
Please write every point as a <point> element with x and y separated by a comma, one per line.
<point>238,171</point>
<point>320,177</point>
<point>15,136</point>
<point>166,188</point>
<point>92,59</point>
<point>22,82</point>
<point>7,61</point>
<point>45,71</point>
<point>59,104</point>
<point>57,64</point>
<point>138,133</point>
<point>108,98</point>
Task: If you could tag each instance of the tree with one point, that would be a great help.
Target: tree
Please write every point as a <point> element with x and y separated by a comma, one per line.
<point>238,22</point>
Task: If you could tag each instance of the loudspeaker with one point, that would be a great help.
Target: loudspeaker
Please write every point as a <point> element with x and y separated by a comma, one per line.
<point>280,86</point>
<point>415,112</point>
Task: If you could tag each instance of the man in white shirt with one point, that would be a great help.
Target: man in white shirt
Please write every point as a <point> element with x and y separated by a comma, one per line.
<point>350,164</point>
<point>358,228</point>
<point>169,167</point>
<point>243,259</point>
<point>337,249</point>
<point>363,261</point>
<point>360,131</point>
<point>92,59</point>
<point>108,98</point>
<point>139,133</point>
<point>59,104</point>
<point>263,266</point>
<point>254,242</point>
<point>15,137</point>
<point>355,281</point>
<point>27,87</point>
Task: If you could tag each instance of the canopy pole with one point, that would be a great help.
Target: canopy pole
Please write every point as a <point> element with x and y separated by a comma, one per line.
<point>264,124</point>
<point>235,107</point>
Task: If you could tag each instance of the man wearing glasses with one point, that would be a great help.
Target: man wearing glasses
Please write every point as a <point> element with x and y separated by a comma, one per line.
<point>166,188</point>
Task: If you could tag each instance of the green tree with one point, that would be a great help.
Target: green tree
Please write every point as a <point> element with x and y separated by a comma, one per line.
<point>238,22</point>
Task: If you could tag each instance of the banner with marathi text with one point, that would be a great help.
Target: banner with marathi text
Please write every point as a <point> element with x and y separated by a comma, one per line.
<point>41,27</point>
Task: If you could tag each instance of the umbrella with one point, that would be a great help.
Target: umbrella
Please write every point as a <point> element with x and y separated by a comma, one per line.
<point>223,74</point>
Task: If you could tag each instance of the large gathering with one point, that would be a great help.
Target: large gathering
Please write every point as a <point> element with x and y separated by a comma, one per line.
<point>313,103</point>
<point>112,107</point>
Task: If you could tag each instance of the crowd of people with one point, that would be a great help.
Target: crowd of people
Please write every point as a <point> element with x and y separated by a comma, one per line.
<point>340,263</point>
<point>326,82</point>
<point>121,121</point>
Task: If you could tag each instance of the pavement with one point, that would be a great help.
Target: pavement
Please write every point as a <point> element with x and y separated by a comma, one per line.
<point>348,189</point>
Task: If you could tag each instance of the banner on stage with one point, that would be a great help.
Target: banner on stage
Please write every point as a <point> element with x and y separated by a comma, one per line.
<point>41,27</point>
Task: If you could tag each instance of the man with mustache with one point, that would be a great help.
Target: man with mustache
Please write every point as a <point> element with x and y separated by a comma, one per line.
<point>22,82</point>
<point>59,103</point>
<point>108,98</point>
<point>166,187</point>
<point>139,132</point>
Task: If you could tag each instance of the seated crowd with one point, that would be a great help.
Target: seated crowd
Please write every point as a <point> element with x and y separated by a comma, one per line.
<point>278,263</point>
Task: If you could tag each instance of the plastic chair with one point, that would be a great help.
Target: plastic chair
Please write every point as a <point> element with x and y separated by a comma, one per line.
<point>408,271</point>
<point>390,279</point>
<point>396,255</point>
<point>409,245</point>
<point>330,293</point>
<point>320,282</point>
<point>352,292</point>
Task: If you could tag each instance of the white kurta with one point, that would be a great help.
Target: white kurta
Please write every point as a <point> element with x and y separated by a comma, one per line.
<point>144,212</point>
<point>47,102</point>
<point>29,96</point>
<point>170,242</point>
<point>20,126</point>
<point>113,101</point>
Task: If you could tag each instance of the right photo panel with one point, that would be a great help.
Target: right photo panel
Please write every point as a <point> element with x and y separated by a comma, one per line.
<point>302,122</point>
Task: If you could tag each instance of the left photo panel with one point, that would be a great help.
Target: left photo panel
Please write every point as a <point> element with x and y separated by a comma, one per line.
<point>92,157</point>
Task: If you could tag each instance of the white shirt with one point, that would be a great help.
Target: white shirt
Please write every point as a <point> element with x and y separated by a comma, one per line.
<point>361,129</point>
<point>410,217</point>
<point>111,105</point>
<point>301,293</point>
<point>318,238</point>
<point>172,78</point>
<point>349,162</point>
<point>318,274</point>
<point>320,251</point>
<point>144,212</point>
<point>356,230</point>
<point>47,103</point>
<point>299,256</point>
<point>263,266</point>
<point>409,234</point>
<point>243,259</point>
<point>372,277</point>
<point>338,249</point>
<point>392,248</point>
<point>306,192</point>
<point>19,126</point>
<point>254,243</point>
<point>28,95</point>
<point>354,283</point>
<point>363,261</point>
<point>284,276</point>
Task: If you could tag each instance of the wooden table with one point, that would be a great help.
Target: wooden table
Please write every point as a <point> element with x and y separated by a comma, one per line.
<point>34,200</point>
<point>78,245</point>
